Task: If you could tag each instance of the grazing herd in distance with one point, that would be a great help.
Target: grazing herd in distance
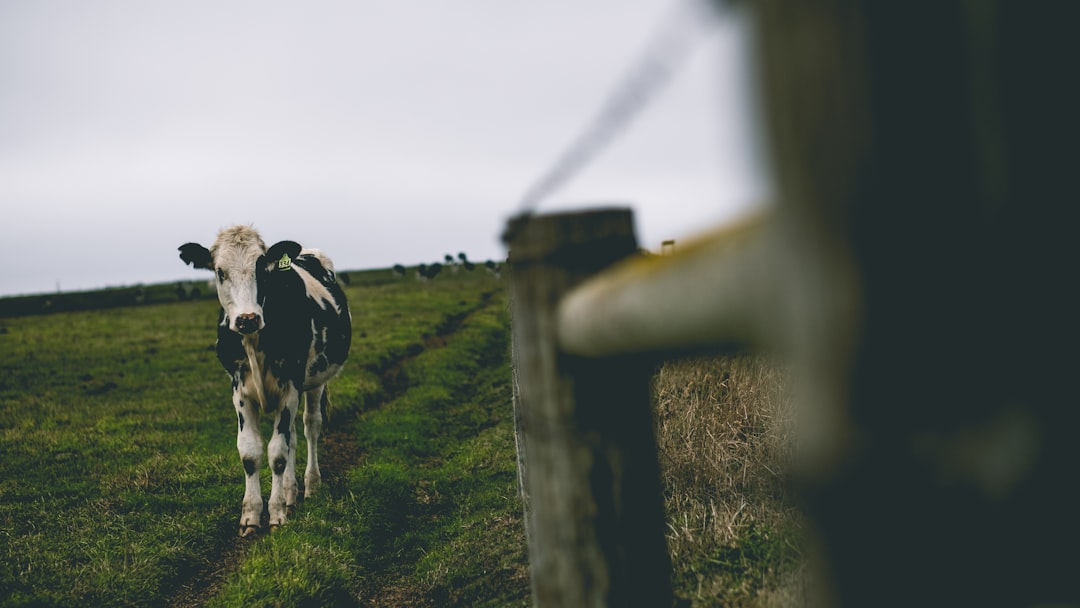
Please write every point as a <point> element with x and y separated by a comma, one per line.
<point>427,272</point>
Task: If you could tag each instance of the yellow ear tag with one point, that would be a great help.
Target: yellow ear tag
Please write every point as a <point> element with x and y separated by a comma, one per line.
<point>285,262</point>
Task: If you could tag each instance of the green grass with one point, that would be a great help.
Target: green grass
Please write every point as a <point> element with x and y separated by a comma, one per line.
<point>98,503</point>
<point>120,484</point>
<point>738,574</point>
<point>119,479</point>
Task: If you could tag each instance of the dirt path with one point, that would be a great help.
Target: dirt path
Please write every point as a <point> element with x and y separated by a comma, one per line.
<point>392,590</point>
<point>338,454</point>
<point>209,579</point>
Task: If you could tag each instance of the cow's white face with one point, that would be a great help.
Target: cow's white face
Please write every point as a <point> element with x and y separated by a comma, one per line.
<point>234,256</point>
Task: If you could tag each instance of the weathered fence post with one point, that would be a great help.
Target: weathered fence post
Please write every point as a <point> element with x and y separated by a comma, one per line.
<point>585,431</point>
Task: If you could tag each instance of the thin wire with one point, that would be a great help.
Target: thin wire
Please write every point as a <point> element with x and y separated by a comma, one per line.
<point>661,59</point>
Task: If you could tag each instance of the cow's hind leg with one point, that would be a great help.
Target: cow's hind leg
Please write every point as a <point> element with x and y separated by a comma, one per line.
<point>315,405</point>
<point>250,445</point>
<point>282,454</point>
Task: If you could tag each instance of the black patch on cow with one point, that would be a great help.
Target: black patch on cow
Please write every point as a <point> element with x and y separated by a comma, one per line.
<point>280,255</point>
<point>289,312</point>
<point>282,381</point>
<point>240,373</point>
<point>249,466</point>
<point>283,426</point>
<point>230,347</point>
<point>196,255</point>
<point>240,417</point>
<point>319,365</point>
<point>279,465</point>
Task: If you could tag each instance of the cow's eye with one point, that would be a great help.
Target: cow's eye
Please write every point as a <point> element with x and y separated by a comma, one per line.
<point>221,275</point>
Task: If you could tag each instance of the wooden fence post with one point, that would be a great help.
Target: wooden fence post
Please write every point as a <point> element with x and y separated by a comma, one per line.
<point>585,431</point>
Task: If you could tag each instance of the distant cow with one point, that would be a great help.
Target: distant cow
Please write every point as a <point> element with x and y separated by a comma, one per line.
<point>426,272</point>
<point>465,261</point>
<point>284,329</point>
<point>433,271</point>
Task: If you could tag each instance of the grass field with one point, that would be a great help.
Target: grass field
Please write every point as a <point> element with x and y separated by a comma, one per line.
<point>120,484</point>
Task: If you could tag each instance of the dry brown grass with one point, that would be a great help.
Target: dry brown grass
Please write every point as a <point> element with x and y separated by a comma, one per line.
<point>734,532</point>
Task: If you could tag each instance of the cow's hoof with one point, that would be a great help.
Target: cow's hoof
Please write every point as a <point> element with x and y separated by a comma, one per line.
<point>246,531</point>
<point>290,510</point>
<point>274,528</point>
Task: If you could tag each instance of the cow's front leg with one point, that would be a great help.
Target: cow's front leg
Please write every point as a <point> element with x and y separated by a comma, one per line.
<point>250,445</point>
<point>282,454</point>
<point>315,405</point>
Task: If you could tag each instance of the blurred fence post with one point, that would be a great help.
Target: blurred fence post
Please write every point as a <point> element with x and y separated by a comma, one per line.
<point>585,432</point>
<point>932,145</point>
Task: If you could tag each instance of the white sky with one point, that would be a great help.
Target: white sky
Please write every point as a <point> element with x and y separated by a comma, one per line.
<point>380,131</point>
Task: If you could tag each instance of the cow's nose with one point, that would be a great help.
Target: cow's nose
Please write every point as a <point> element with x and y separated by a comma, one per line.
<point>247,323</point>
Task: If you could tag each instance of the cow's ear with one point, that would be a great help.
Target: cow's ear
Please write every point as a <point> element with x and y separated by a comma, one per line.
<point>196,255</point>
<point>281,255</point>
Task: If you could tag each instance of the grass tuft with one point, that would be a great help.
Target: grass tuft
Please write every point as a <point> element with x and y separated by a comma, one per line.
<point>735,534</point>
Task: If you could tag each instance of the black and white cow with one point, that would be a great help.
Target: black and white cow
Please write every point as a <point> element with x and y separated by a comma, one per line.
<point>284,329</point>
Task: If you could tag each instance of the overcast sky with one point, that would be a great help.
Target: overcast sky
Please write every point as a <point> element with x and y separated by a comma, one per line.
<point>381,131</point>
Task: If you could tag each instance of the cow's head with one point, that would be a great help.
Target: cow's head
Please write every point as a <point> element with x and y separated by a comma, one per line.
<point>234,257</point>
